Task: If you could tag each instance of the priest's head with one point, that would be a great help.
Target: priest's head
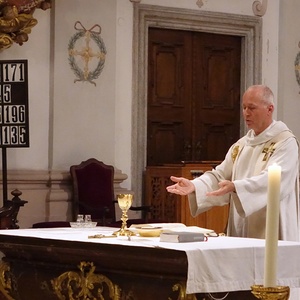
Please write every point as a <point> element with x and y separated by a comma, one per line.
<point>258,107</point>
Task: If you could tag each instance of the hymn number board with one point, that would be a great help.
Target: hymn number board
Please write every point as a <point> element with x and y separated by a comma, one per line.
<point>14,119</point>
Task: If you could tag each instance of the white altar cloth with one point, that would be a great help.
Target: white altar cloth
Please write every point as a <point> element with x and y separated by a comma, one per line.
<point>218,265</point>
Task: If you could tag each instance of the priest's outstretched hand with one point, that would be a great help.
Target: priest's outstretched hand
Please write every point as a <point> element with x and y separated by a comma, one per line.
<point>226,186</point>
<point>182,186</point>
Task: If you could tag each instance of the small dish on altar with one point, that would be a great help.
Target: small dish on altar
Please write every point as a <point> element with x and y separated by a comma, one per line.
<point>149,231</point>
<point>76,225</point>
<point>90,224</point>
<point>83,224</point>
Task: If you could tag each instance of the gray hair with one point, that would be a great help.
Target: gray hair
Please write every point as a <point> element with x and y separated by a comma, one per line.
<point>263,92</point>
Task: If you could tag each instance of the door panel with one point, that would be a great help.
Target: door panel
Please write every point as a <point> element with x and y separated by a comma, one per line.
<point>165,141</point>
<point>169,100</point>
<point>216,94</point>
<point>193,95</point>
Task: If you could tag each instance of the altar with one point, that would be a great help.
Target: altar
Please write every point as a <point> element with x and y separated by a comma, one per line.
<point>73,263</point>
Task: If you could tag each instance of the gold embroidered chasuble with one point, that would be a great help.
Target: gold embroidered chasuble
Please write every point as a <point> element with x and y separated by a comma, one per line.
<point>246,164</point>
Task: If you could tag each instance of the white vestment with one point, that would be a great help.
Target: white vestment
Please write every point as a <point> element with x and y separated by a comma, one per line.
<point>246,164</point>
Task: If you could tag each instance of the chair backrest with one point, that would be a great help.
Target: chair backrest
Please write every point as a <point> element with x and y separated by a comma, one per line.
<point>93,190</point>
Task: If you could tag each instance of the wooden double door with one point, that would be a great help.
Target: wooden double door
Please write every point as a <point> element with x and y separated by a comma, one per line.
<point>193,95</point>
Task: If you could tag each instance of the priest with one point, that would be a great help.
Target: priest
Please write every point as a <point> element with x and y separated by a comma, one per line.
<point>241,180</point>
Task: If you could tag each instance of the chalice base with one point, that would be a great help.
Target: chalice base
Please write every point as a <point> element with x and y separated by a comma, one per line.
<point>123,232</point>
<point>271,293</point>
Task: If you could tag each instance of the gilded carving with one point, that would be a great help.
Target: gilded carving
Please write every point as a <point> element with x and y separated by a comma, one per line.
<point>5,281</point>
<point>85,284</point>
<point>16,20</point>
<point>182,292</point>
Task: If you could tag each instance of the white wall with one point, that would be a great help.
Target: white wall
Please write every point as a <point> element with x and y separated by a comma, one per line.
<point>289,90</point>
<point>124,25</point>
<point>83,114</point>
<point>37,52</point>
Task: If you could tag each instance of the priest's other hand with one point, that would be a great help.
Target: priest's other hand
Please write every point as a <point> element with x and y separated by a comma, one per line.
<point>182,186</point>
<point>226,186</point>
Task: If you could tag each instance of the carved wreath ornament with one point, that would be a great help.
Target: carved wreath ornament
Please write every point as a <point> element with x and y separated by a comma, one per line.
<point>86,53</point>
<point>297,67</point>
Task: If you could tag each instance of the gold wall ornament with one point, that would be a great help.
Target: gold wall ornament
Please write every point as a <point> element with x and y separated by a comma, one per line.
<point>85,285</point>
<point>260,8</point>
<point>16,20</point>
<point>83,55</point>
<point>5,281</point>
<point>27,5</point>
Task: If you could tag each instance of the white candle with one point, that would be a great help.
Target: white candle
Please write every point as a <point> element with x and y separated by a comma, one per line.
<point>272,224</point>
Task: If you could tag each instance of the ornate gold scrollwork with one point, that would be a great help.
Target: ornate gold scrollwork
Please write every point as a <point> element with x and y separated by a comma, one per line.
<point>5,280</point>
<point>85,285</point>
<point>16,20</point>
<point>181,287</point>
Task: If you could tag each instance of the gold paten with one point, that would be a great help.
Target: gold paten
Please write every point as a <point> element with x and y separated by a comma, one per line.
<point>181,287</point>
<point>5,280</point>
<point>85,285</point>
<point>271,293</point>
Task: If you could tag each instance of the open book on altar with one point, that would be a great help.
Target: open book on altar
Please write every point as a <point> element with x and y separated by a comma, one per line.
<point>174,227</point>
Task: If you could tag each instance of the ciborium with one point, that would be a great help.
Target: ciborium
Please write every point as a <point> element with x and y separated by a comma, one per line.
<point>271,293</point>
<point>125,202</point>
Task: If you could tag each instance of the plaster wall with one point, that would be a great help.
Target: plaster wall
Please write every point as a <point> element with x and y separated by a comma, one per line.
<point>289,47</point>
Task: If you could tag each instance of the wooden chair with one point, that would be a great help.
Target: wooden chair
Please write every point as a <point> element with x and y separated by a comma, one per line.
<point>93,193</point>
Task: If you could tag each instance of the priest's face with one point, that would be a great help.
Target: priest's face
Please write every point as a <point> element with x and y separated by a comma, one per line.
<point>257,113</point>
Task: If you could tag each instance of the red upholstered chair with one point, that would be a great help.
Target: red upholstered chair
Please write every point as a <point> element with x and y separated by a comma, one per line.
<point>93,193</point>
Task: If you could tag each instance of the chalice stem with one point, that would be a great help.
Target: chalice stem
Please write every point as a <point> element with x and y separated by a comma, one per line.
<point>124,219</point>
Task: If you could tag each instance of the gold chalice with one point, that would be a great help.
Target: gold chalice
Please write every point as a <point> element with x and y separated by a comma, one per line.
<point>125,202</point>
